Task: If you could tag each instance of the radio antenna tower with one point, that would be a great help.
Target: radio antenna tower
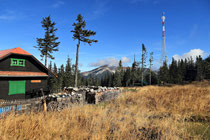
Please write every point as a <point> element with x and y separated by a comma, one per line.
<point>163,50</point>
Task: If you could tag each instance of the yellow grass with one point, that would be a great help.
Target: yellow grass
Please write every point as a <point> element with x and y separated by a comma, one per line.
<point>139,113</point>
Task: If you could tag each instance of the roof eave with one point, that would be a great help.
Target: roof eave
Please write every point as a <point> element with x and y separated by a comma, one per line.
<point>22,76</point>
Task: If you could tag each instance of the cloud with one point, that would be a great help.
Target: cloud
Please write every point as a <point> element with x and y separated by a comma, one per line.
<point>58,3</point>
<point>125,60</point>
<point>192,53</point>
<point>8,15</point>
<point>111,61</point>
<point>193,31</point>
<point>100,8</point>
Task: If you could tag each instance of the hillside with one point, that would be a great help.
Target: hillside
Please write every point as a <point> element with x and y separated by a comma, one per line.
<point>152,112</point>
<point>103,70</point>
<point>100,71</point>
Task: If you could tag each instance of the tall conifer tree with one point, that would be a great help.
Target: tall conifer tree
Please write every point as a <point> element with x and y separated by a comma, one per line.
<point>48,44</point>
<point>81,35</point>
<point>143,63</point>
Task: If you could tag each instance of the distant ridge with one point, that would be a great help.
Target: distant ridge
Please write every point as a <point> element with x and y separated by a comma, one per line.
<point>100,71</point>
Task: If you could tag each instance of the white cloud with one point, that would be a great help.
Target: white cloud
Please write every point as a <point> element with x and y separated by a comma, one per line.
<point>193,31</point>
<point>8,15</point>
<point>192,53</point>
<point>57,4</point>
<point>125,60</point>
<point>111,61</point>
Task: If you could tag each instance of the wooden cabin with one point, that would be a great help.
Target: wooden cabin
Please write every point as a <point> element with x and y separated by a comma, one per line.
<point>21,75</point>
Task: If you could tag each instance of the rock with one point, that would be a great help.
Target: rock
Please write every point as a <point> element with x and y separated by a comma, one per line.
<point>75,89</point>
<point>92,90</point>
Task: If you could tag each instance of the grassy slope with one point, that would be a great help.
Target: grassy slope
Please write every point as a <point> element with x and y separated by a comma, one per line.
<point>150,112</point>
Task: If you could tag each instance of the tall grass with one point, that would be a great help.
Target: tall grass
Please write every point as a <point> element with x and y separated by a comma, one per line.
<point>152,112</point>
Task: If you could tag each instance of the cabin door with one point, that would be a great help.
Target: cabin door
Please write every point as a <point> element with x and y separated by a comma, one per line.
<point>17,87</point>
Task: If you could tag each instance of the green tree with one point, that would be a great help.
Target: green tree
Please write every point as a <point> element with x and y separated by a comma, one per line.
<point>200,68</point>
<point>150,68</point>
<point>50,66</point>
<point>53,82</point>
<point>127,77</point>
<point>181,71</point>
<point>48,44</point>
<point>173,72</point>
<point>163,73</point>
<point>82,35</point>
<point>118,76</point>
<point>143,63</point>
<point>60,78</point>
<point>207,67</point>
<point>68,76</point>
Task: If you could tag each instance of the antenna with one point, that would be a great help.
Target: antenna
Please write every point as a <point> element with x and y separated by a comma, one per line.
<point>163,50</point>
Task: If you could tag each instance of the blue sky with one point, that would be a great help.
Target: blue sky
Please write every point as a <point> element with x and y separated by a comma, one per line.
<point>121,26</point>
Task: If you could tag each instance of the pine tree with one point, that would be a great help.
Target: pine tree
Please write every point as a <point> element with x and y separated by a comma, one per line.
<point>117,79</point>
<point>118,76</point>
<point>150,68</point>
<point>68,77</point>
<point>48,44</point>
<point>143,63</point>
<point>60,78</point>
<point>163,73</point>
<point>54,81</point>
<point>120,69</point>
<point>127,77</point>
<point>191,71</point>
<point>82,35</point>
<point>173,72</point>
<point>50,66</point>
<point>207,67</point>
<point>200,68</point>
<point>181,71</point>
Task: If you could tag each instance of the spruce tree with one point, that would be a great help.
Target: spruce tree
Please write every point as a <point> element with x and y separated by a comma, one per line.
<point>50,66</point>
<point>54,80</point>
<point>81,35</point>
<point>200,68</point>
<point>181,71</point>
<point>173,72</point>
<point>127,77</point>
<point>48,44</point>
<point>150,68</point>
<point>143,63</point>
<point>163,73</point>
<point>68,77</point>
<point>207,67</point>
<point>60,78</point>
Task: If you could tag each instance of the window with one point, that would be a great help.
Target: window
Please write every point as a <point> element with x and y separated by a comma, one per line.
<point>17,62</point>
<point>17,87</point>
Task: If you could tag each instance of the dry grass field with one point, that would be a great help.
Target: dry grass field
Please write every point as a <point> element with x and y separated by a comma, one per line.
<point>151,112</point>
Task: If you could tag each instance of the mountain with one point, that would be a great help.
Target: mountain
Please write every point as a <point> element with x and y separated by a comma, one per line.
<point>100,71</point>
<point>103,70</point>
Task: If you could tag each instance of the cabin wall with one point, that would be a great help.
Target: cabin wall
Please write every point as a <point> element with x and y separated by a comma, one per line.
<point>29,88</point>
<point>30,64</point>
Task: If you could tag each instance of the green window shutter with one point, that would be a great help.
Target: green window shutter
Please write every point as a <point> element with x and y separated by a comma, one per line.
<point>17,87</point>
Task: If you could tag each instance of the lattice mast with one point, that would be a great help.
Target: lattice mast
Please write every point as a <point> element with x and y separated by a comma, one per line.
<point>163,50</point>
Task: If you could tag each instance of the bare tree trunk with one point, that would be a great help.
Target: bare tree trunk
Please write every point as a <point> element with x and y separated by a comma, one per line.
<point>142,68</point>
<point>76,67</point>
<point>45,61</point>
<point>150,76</point>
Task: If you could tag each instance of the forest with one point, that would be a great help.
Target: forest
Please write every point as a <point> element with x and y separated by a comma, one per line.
<point>178,72</point>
